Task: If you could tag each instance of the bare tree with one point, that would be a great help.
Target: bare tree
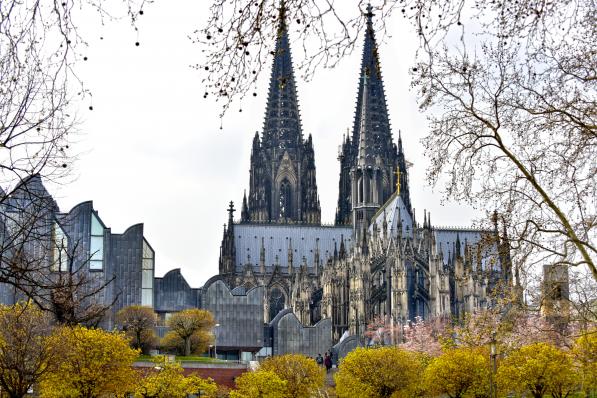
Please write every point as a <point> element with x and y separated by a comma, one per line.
<point>72,294</point>
<point>40,95</point>
<point>239,37</point>
<point>512,124</point>
<point>54,276</point>
<point>509,88</point>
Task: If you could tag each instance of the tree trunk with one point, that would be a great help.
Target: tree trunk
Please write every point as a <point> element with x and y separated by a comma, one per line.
<point>537,393</point>
<point>187,346</point>
<point>16,394</point>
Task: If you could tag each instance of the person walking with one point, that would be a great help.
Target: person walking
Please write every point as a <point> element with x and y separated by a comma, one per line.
<point>319,360</point>
<point>327,361</point>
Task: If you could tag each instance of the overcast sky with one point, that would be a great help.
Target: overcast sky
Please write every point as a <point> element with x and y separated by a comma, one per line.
<point>151,150</point>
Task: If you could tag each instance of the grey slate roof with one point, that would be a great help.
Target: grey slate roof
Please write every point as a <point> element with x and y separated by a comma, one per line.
<point>278,237</point>
<point>445,237</point>
<point>393,207</point>
<point>445,240</point>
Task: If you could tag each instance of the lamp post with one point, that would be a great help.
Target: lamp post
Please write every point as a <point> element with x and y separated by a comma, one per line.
<point>217,325</point>
<point>492,364</point>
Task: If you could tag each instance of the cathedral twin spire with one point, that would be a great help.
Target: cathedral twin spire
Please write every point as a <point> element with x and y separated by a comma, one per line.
<point>283,186</point>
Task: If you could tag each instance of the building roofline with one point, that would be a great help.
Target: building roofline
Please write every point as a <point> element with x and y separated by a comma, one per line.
<point>293,225</point>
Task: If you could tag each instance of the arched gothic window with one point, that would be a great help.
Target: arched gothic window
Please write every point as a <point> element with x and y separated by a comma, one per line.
<point>285,199</point>
<point>276,302</point>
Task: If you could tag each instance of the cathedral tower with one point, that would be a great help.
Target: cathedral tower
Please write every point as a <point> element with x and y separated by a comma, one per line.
<point>370,146</point>
<point>283,187</point>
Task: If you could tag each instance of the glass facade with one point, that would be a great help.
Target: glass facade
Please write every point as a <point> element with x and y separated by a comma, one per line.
<point>96,244</point>
<point>147,275</point>
<point>60,252</point>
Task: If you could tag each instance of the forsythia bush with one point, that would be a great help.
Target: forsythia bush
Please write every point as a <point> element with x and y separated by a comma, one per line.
<point>92,363</point>
<point>458,372</point>
<point>302,375</point>
<point>538,369</point>
<point>26,352</point>
<point>260,384</point>
<point>168,380</point>
<point>379,372</point>
<point>585,356</point>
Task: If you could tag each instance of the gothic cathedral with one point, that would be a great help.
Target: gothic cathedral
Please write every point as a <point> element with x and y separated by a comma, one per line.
<point>377,260</point>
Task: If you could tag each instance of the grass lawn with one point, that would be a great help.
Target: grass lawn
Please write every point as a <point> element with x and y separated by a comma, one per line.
<point>198,359</point>
<point>192,358</point>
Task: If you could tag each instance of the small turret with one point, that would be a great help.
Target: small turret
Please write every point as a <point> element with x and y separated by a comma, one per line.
<point>262,257</point>
<point>342,254</point>
<point>316,257</point>
<point>290,257</point>
<point>335,251</point>
<point>244,214</point>
<point>228,248</point>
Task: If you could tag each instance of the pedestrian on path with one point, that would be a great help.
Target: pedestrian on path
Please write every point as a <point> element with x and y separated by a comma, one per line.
<point>327,361</point>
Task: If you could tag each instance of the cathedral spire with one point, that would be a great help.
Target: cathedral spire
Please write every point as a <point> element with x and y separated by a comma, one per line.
<point>373,106</point>
<point>370,156</point>
<point>282,174</point>
<point>282,125</point>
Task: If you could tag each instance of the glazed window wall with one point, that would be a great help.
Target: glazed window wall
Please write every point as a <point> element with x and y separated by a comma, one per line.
<point>147,275</point>
<point>96,245</point>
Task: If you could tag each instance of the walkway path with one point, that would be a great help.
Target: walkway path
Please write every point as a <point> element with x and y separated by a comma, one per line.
<point>329,378</point>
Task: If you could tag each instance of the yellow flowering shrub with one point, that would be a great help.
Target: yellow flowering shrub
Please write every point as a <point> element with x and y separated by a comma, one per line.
<point>538,369</point>
<point>302,375</point>
<point>260,384</point>
<point>93,363</point>
<point>167,380</point>
<point>379,372</point>
<point>458,372</point>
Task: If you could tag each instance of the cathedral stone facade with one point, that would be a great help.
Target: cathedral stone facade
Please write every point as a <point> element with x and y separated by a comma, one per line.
<point>377,260</point>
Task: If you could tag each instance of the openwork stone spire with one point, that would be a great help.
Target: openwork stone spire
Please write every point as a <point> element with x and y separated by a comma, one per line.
<point>282,126</point>
<point>374,110</point>
<point>370,143</point>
